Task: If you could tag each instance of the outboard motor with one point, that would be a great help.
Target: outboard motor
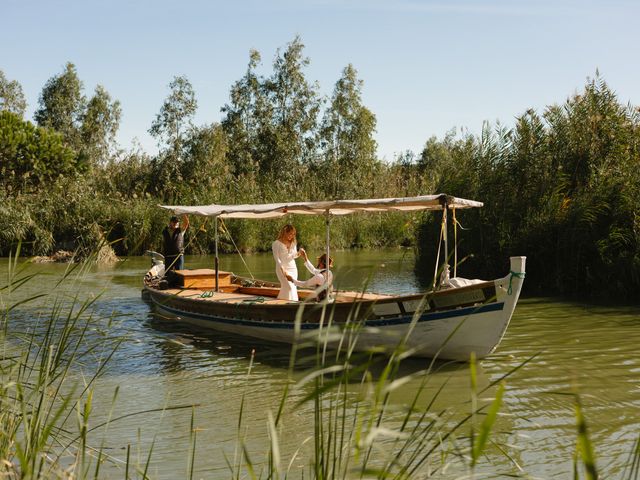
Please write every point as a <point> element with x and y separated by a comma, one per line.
<point>156,272</point>
<point>156,258</point>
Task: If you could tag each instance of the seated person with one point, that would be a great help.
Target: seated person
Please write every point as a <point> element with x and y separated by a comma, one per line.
<point>322,279</point>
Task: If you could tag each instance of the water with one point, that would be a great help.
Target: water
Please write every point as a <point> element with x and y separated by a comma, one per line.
<point>577,348</point>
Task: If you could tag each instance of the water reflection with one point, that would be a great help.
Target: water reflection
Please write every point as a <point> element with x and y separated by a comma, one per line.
<point>184,345</point>
<point>191,342</point>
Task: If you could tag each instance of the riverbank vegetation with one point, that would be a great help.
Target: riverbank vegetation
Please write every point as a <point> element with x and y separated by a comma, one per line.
<point>560,186</point>
<point>49,368</point>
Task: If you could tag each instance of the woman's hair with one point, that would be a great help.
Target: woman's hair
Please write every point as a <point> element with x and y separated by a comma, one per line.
<point>288,228</point>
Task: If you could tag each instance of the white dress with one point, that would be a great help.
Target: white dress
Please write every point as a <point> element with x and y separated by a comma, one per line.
<point>286,259</point>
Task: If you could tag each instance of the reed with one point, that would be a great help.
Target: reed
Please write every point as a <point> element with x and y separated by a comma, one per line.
<point>357,431</point>
<point>49,368</point>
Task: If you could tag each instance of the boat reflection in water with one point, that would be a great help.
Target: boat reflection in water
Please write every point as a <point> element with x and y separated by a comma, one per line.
<point>186,347</point>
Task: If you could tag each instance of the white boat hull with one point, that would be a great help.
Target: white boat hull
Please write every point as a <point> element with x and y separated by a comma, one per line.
<point>447,333</point>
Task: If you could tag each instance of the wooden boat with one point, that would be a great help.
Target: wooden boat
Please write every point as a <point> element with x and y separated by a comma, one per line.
<point>458,317</point>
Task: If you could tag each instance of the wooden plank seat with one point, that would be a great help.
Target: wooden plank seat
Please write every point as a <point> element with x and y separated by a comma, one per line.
<point>272,292</point>
<point>346,296</point>
<point>227,297</point>
<point>234,292</point>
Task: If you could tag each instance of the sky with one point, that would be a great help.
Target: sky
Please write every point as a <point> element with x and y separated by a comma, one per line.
<point>428,66</point>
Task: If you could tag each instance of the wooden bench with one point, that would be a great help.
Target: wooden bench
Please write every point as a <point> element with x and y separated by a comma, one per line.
<point>204,278</point>
<point>272,292</point>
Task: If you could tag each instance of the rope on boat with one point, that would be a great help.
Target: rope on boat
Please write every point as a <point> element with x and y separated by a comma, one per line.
<point>226,230</point>
<point>207,294</point>
<point>251,301</point>
<point>456,225</point>
<point>514,274</point>
<point>442,227</point>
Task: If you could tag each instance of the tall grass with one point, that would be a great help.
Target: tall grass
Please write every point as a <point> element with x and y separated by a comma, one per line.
<point>37,397</point>
<point>357,429</point>
<point>49,368</point>
<point>561,185</point>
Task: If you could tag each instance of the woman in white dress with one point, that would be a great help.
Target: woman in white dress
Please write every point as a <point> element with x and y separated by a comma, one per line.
<point>285,254</point>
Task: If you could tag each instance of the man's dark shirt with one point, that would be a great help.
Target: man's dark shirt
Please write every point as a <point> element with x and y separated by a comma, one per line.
<point>173,241</point>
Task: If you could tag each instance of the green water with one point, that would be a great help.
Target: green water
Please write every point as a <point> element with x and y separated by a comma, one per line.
<point>589,349</point>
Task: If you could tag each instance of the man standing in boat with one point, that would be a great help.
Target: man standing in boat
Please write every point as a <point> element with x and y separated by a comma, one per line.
<point>322,279</point>
<point>173,240</point>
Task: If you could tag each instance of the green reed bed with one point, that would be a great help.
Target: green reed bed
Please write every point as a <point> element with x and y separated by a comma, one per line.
<point>359,432</point>
<point>49,368</point>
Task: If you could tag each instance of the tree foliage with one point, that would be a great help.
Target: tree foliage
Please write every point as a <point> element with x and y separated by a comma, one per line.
<point>272,122</point>
<point>349,149</point>
<point>561,188</point>
<point>31,156</point>
<point>176,114</point>
<point>201,171</point>
<point>100,124</point>
<point>88,127</point>
<point>288,120</point>
<point>172,126</point>
<point>240,122</point>
<point>11,96</point>
<point>62,105</point>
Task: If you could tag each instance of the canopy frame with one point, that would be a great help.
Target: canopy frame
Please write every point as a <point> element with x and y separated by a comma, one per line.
<point>334,207</point>
<point>327,208</point>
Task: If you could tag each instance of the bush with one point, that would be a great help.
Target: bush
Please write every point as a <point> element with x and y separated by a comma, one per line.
<point>30,156</point>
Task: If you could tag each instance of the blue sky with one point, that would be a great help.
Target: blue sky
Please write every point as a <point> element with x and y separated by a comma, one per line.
<point>427,66</point>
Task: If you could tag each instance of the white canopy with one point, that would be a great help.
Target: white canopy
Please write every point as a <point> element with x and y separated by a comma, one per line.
<point>333,207</point>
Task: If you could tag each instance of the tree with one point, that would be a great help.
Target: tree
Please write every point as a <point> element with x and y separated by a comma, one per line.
<point>30,155</point>
<point>288,118</point>
<point>100,123</point>
<point>176,112</point>
<point>204,167</point>
<point>11,96</point>
<point>271,123</point>
<point>240,122</point>
<point>62,105</point>
<point>347,136</point>
<point>449,163</point>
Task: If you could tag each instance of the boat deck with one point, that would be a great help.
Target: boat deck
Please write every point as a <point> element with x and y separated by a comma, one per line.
<point>263,295</point>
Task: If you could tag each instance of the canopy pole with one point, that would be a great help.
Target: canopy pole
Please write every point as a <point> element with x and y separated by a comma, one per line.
<point>455,243</point>
<point>216,253</point>
<point>327,262</point>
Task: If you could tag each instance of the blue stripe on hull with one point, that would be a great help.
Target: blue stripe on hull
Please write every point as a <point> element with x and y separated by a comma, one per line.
<point>426,317</point>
